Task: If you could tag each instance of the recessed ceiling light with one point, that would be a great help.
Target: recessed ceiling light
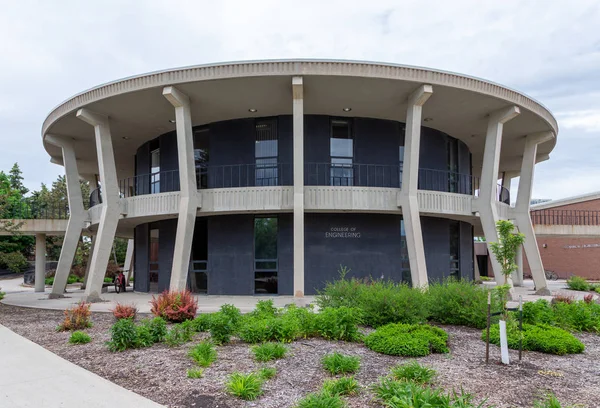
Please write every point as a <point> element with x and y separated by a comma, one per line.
<point>125,137</point>
<point>427,119</point>
<point>346,109</point>
<point>252,110</point>
<point>172,120</point>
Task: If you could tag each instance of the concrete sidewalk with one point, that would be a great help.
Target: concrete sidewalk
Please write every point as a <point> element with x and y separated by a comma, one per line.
<point>33,377</point>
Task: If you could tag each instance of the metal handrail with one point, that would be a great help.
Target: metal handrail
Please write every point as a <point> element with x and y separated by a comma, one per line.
<point>565,217</point>
<point>448,181</point>
<point>28,209</point>
<point>352,174</point>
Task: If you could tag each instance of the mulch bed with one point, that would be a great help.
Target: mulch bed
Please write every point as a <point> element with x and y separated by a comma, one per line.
<point>159,372</point>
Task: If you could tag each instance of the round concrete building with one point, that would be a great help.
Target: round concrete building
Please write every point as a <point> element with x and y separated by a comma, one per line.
<point>264,177</point>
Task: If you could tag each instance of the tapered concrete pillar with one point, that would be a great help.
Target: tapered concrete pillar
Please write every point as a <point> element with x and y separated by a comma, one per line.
<point>188,204</point>
<point>40,262</point>
<point>109,216</point>
<point>77,215</point>
<point>129,260</point>
<point>298,123</point>
<point>408,197</point>
<point>517,276</point>
<point>521,212</point>
<point>486,202</point>
<point>89,262</point>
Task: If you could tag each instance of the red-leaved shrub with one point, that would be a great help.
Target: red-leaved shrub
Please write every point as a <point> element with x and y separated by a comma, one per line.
<point>77,317</point>
<point>174,306</point>
<point>561,298</point>
<point>124,311</point>
<point>588,298</point>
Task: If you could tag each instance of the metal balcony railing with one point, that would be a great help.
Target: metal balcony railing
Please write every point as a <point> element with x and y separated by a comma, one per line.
<point>29,209</point>
<point>447,181</point>
<point>352,174</point>
<point>565,217</point>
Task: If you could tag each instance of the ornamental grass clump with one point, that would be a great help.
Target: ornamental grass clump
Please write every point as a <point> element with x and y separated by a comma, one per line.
<point>77,317</point>
<point>195,373</point>
<point>204,353</point>
<point>341,386</point>
<point>406,394</point>
<point>245,386</point>
<point>269,351</point>
<point>79,337</point>
<point>174,306</point>
<point>336,363</point>
<point>266,373</point>
<point>121,311</point>
<point>321,400</point>
<point>413,372</point>
<point>408,340</point>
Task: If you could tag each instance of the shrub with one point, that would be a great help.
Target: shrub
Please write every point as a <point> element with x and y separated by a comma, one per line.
<point>538,312</point>
<point>321,400</point>
<point>245,386</point>
<point>578,283</point>
<point>398,394</point>
<point>458,302</point>
<point>49,281</point>
<point>337,363</point>
<point>285,328</point>
<point>265,308</point>
<point>72,279</point>
<point>588,298</point>
<point>77,317</point>
<point>542,338</point>
<point>2,294</point>
<point>254,329</point>
<point>341,386</point>
<point>144,337</point>
<point>577,316</point>
<point>409,340</point>
<point>201,323</point>
<point>266,373</point>
<point>305,317</point>
<point>174,306</point>
<point>123,335</point>
<point>180,333</point>
<point>157,328</point>
<point>413,372</point>
<point>108,280</point>
<point>338,324</point>
<point>195,373</point>
<point>204,353</point>
<point>13,261</point>
<point>562,298</point>
<point>124,311</point>
<point>232,312</point>
<point>269,351</point>
<point>79,337</point>
<point>597,289</point>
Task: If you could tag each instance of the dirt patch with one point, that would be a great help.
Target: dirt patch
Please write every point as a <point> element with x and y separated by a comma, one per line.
<point>159,372</point>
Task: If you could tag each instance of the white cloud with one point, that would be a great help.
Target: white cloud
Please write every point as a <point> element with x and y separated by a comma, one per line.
<point>586,120</point>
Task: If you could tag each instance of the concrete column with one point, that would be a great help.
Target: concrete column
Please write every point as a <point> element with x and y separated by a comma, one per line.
<point>517,277</point>
<point>408,194</point>
<point>298,119</point>
<point>188,205</point>
<point>129,260</point>
<point>476,272</point>
<point>40,262</point>
<point>109,216</point>
<point>521,212</point>
<point>77,215</point>
<point>89,262</point>
<point>486,202</point>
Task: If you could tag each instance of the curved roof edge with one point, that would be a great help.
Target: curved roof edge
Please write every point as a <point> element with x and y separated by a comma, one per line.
<point>278,67</point>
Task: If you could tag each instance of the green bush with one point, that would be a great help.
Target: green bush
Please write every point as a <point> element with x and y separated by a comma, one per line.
<point>253,329</point>
<point>337,363</point>
<point>144,336</point>
<point>338,324</point>
<point>245,386</point>
<point>108,280</point>
<point>180,333</point>
<point>341,386</point>
<point>458,302</point>
<point>157,328</point>
<point>305,317</point>
<point>413,372</point>
<point>265,308</point>
<point>260,327</point>
<point>195,373</point>
<point>409,340</point>
<point>542,338</point>
<point>538,312</point>
<point>406,394</point>
<point>123,335</point>
<point>577,316</point>
<point>221,328</point>
<point>204,353</point>
<point>2,294</point>
<point>380,302</point>
<point>232,312</point>
<point>269,351</point>
<point>201,323</point>
<point>49,281</point>
<point>72,279</point>
<point>321,400</point>
<point>13,261</point>
<point>266,373</point>
<point>79,337</point>
<point>578,283</point>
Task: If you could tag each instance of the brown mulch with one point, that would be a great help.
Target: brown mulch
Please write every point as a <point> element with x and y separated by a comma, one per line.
<point>159,372</point>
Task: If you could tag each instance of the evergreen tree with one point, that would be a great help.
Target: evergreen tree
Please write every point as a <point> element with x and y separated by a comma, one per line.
<point>16,179</point>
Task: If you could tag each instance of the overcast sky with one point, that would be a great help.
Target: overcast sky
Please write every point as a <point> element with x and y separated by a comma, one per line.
<point>550,50</point>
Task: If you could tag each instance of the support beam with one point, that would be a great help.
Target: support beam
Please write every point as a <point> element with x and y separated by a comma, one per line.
<point>408,193</point>
<point>521,212</point>
<point>129,260</point>
<point>188,204</point>
<point>517,276</point>
<point>298,123</point>
<point>77,215</point>
<point>486,202</point>
<point>110,212</point>
<point>40,262</point>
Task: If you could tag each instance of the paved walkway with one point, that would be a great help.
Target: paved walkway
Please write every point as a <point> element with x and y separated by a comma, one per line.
<point>33,377</point>
<point>17,295</point>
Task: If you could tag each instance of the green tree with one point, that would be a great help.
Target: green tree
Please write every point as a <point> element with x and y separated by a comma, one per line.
<point>16,179</point>
<point>505,250</point>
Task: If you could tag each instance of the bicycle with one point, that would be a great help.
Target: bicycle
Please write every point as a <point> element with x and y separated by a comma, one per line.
<point>551,275</point>
<point>120,282</point>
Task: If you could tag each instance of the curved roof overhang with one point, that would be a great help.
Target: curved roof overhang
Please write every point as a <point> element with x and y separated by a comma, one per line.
<point>138,111</point>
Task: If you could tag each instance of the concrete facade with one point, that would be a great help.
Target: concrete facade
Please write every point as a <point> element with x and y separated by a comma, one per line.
<point>253,160</point>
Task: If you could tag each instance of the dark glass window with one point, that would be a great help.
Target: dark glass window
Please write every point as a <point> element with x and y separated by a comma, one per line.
<point>452,165</point>
<point>155,171</point>
<point>266,153</point>
<point>201,157</point>
<point>154,265</point>
<point>342,153</point>
<point>402,138</point>
<point>265,255</point>
<point>455,249</point>
<point>198,278</point>
<point>405,264</point>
